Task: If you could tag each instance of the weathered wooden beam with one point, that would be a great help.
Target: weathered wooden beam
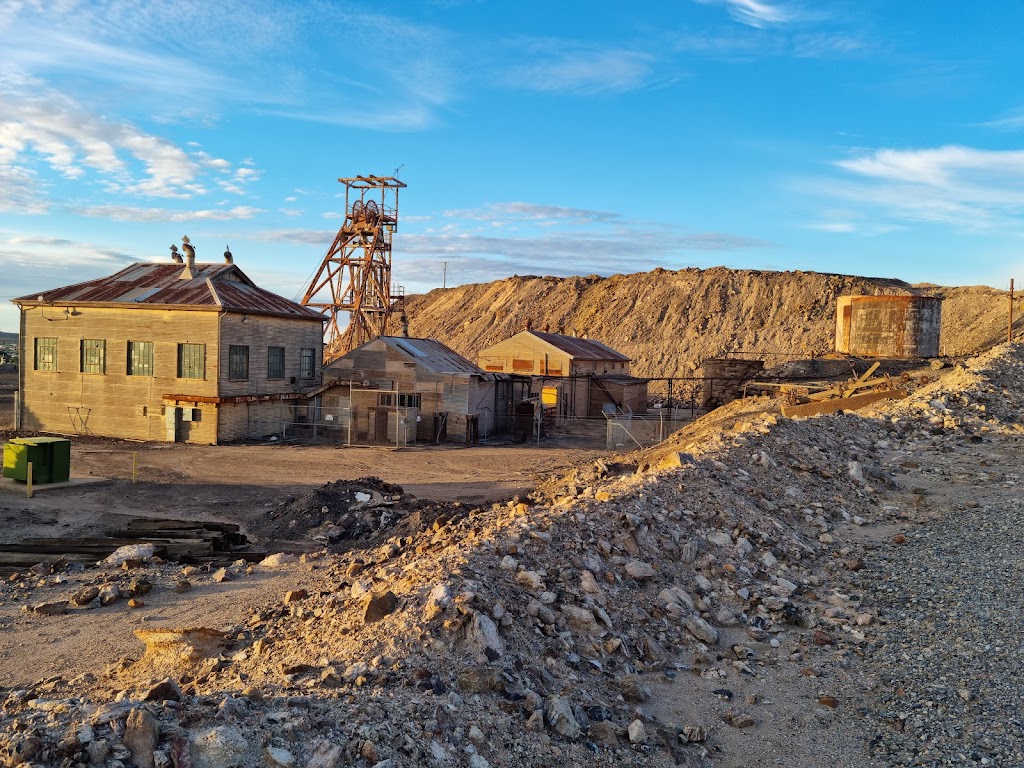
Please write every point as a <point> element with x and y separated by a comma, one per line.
<point>842,403</point>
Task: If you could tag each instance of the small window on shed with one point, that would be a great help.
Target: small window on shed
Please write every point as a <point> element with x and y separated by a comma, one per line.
<point>238,362</point>
<point>275,362</point>
<point>307,363</point>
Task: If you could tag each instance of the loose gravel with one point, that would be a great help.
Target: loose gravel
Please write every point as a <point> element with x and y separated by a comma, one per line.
<point>950,660</point>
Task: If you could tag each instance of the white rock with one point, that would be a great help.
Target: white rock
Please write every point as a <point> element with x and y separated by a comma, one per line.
<point>275,757</point>
<point>856,471</point>
<point>637,732</point>
<point>720,539</point>
<point>222,746</point>
<point>482,634</point>
<point>129,552</point>
<point>769,561</point>
<point>278,560</point>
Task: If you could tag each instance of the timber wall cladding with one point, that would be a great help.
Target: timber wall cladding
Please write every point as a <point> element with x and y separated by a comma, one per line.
<point>113,403</point>
<point>259,334</point>
<point>238,421</point>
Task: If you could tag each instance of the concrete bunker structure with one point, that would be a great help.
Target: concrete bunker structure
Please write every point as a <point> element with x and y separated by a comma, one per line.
<point>888,326</point>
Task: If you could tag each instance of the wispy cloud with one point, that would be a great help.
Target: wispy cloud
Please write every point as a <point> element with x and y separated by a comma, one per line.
<point>40,126</point>
<point>560,66</point>
<point>1013,122</point>
<point>533,212</point>
<point>962,187</point>
<point>192,61</point>
<point>500,239</point>
<point>755,13</point>
<point>137,214</point>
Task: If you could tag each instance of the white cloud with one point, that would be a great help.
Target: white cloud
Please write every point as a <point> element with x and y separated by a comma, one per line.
<point>533,212</point>
<point>963,187</point>
<point>567,67</point>
<point>756,13</point>
<point>138,214</point>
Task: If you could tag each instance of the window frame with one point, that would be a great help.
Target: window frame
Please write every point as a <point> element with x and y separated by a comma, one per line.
<point>272,367</point>
<point>92,356</point>
<point>241,361</point>
<point>307,368</point>
<point>51,348</point>
<point>147,358</point>
<point>183,369</point>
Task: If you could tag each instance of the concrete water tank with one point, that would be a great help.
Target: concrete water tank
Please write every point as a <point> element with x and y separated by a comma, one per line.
<point>888,326</point>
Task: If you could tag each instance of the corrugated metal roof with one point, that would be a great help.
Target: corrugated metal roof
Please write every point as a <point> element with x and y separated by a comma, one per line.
<point>214,286</point>
<point>432,355</point>
<point>580,349</point>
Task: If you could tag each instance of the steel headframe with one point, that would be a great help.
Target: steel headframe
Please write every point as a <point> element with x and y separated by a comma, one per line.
<point>355,274</point>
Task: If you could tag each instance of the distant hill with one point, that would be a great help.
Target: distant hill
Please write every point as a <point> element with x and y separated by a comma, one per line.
<point>669,321</point>
<point>8,337</point>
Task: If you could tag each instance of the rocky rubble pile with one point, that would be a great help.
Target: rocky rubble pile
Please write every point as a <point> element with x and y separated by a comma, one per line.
<point>528,633</point>
<point>978,396</point>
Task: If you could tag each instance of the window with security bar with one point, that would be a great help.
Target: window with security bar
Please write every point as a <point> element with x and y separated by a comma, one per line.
<point>275,362</point>
<point>307,364</point>
<point>238,362</point>
<point>46,354</point>
<point>94,357</point>
<point>140,358</point>
<point>191,361</point>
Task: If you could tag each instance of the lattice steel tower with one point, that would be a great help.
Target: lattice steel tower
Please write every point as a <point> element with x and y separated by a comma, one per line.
<point>355,274</point>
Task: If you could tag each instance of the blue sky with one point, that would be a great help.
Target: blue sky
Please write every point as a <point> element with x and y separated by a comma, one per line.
<point>874,138</point>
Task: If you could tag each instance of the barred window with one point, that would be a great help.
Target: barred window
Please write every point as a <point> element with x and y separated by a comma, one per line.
<point>275,362</point>
<point>307,366</point>
<point>46,354</point>
<point>140,358</point>
<point>191,361</point>
<point>94,355</point>
<point>238,362</point>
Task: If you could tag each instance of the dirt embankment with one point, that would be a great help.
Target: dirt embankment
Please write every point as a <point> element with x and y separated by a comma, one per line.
<point>668,322</point>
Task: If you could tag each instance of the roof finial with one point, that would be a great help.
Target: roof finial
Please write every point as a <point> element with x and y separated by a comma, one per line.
<point>228,258</point>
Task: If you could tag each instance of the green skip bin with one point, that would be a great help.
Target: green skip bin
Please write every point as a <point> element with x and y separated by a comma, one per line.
<point>50,458</point>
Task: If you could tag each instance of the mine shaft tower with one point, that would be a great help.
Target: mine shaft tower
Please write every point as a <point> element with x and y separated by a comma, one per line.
<point>355,274</point>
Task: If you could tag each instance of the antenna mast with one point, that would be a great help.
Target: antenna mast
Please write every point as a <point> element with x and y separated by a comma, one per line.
<point>355,274</point>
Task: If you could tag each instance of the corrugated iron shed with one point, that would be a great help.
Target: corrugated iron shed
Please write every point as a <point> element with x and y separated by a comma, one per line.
<point>432,355</point>
<point>214,287</point>
<point>580,349</point>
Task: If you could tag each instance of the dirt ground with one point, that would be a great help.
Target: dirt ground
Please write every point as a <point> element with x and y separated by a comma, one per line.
<point>242,483</point>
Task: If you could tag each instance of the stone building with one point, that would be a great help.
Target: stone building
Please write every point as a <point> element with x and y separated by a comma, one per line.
<point>180,352</point>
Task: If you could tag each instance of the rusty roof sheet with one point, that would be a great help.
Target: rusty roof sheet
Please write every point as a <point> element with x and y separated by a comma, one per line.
<point>214,286</point>
<point>580,349</point>
<point>432,355</point>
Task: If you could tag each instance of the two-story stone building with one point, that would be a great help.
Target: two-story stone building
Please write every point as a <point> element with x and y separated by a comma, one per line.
<point>176,351</point>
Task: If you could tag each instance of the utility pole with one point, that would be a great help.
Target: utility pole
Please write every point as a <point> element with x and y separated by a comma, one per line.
<point>1009,328</point>
<point>444,276</point>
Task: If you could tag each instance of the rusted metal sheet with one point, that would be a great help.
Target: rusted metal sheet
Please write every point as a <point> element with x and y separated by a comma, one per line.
<point>888,326</point>
<point>213,286</point>
<point>581,349</point>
